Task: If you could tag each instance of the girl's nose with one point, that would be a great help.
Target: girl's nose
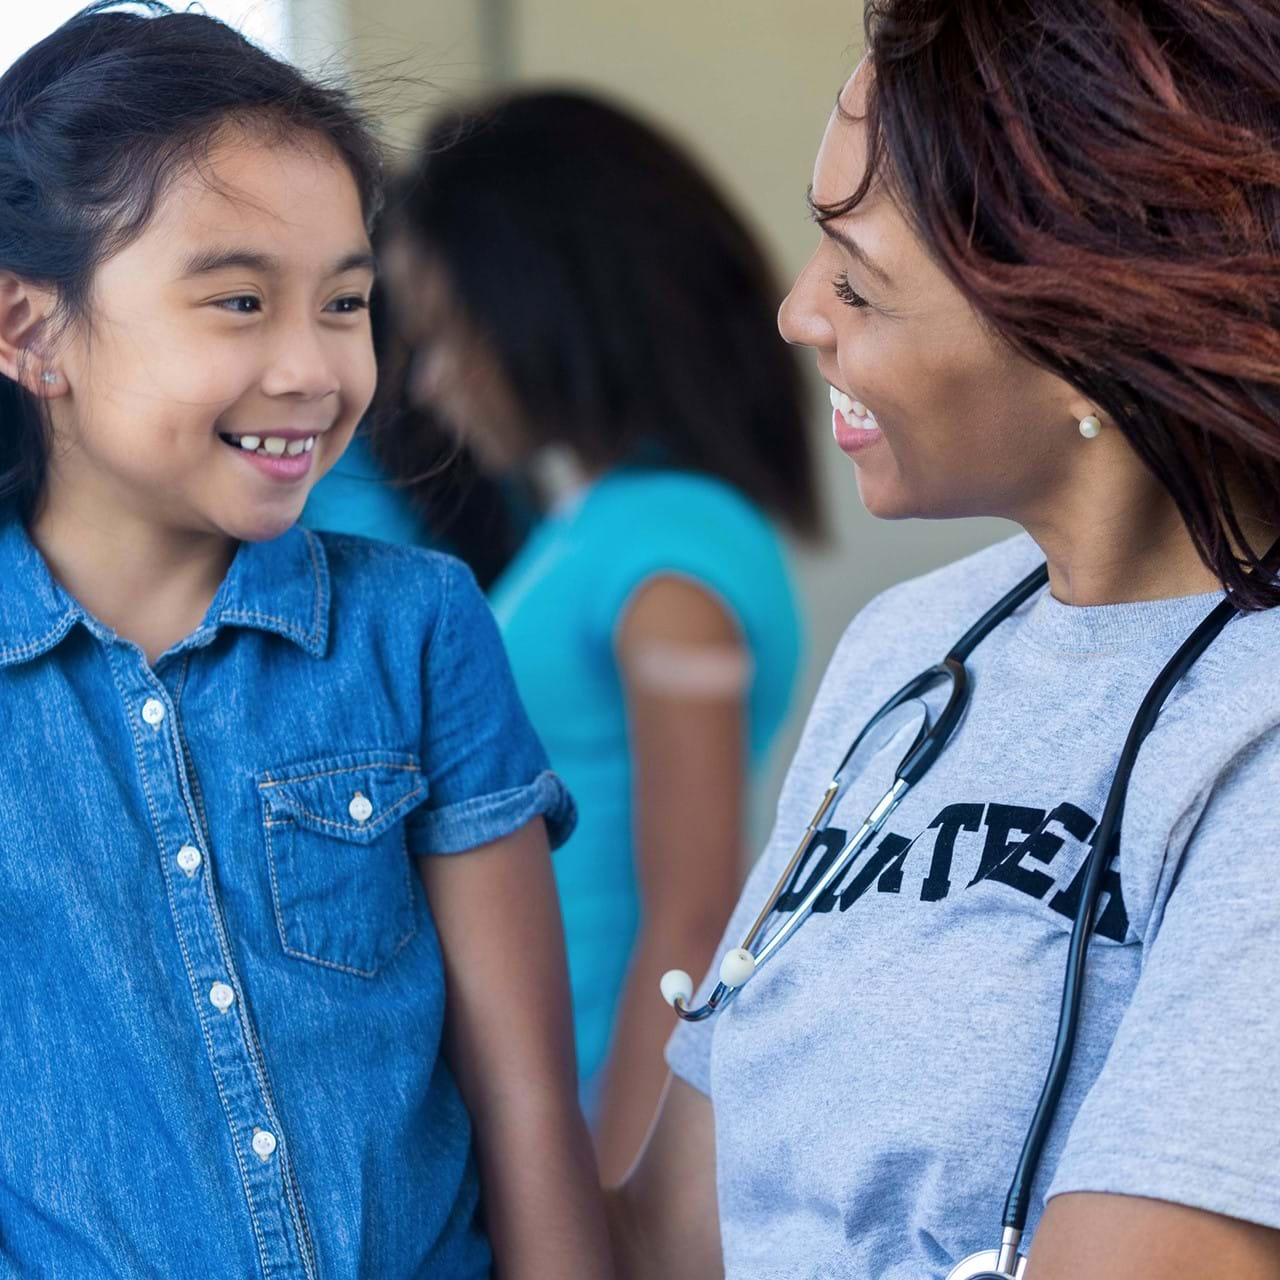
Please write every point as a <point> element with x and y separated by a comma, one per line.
<point>301,367</point>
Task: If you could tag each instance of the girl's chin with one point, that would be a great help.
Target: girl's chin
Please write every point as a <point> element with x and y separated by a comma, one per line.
<point>259,526</point>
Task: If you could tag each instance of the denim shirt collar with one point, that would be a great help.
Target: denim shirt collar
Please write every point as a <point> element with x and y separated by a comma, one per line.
<point>280,586</point>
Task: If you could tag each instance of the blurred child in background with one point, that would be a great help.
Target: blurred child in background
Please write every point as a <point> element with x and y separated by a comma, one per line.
<point>577,289</point>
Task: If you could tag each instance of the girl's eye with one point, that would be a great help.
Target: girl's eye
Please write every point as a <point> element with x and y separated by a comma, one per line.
<point>845,292</point>
<point>350,305</point>
<point>234,304</point>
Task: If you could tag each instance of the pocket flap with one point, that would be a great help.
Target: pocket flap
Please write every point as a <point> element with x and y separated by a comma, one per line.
<point>350,797</point>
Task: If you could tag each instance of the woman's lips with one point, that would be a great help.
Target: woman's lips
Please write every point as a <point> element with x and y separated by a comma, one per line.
<point>850,438</point>
<point>854,425</point>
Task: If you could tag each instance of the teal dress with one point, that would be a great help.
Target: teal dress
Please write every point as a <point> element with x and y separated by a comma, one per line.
<point>558,605</point>
<point>355,496</point>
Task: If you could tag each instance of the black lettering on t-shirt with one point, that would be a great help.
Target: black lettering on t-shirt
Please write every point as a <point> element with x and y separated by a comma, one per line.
<point>825,844</point>
<point>949,823</point>
<point>1001,821</point>
<point>1113,921</point>
<point>1043,845</point>
<point>1003,860</point>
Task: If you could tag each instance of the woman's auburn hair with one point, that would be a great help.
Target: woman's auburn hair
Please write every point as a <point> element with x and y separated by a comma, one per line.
<point>1101,179</point>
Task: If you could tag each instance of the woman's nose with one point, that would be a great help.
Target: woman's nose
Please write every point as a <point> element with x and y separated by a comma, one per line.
<point>802,320</point>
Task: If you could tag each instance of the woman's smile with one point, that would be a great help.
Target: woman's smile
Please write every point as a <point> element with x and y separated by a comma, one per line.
<point>854,425</point>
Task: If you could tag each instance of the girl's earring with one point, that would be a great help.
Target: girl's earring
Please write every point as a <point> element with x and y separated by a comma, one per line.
<point>48,377</point>
<point>1089,427</point>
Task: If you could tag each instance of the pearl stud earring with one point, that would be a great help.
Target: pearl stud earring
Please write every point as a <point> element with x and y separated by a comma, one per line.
<point>1089,427</point>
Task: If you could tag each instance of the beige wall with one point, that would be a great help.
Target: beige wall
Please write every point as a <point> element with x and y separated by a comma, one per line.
<point>408,55</point>
<point>748,85</point>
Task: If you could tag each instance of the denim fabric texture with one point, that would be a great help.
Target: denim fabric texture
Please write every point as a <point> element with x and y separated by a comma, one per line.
<point>222,995</point>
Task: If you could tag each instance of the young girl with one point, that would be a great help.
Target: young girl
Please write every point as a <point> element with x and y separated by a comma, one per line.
<point>238,756</point>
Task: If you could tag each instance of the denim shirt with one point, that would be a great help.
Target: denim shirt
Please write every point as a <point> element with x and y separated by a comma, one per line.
<point>222,993</point>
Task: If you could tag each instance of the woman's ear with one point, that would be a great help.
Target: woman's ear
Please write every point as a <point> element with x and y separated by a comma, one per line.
<point>24,312</point>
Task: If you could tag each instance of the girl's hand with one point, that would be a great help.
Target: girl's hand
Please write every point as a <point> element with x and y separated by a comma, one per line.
<point>509,1041</point>
<point>663,1221</point>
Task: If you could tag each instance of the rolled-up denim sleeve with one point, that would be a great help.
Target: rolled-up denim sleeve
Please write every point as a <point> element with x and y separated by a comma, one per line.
<point>486,770</point>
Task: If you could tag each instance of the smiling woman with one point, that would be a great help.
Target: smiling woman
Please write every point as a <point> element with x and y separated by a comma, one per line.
<point>1027,988</point>
<point>269,739</point>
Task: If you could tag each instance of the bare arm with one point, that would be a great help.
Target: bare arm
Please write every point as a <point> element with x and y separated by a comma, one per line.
<point>509,1040</point>
<point>679,653</point>
<point>1115,1237</point>
<point>663,1221</point>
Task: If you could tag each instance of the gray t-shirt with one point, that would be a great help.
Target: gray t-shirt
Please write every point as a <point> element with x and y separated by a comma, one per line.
<point>873,1083</point>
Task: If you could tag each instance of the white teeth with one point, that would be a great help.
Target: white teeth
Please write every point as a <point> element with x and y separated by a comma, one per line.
<point>274,446</point>
<point>853,410</point>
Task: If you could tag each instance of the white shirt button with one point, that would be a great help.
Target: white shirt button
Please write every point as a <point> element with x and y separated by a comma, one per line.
<point>222,996</point>
<point>264,1143</point>
<point>360,807</point>
<point>189,859</point>
<point>153,711</point>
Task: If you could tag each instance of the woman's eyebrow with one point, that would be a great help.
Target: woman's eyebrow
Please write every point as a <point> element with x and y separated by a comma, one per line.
<point>207,261</point>
<point>846,242</point>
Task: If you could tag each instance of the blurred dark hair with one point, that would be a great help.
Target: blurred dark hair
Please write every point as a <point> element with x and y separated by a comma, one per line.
<point>630,308</point>
<point>1101,178</point>
<point>478,518</point>
<point>95,121</point>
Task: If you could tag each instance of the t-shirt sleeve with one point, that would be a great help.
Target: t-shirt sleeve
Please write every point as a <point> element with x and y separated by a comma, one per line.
<point>687,533</point>
<point>486,769</point>
<point>1187,1106</point>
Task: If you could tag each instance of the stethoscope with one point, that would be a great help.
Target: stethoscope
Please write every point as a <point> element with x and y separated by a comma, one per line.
<point>737,967</point>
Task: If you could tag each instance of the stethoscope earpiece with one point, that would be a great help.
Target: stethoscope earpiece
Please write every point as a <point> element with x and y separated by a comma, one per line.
<point>677,985</point>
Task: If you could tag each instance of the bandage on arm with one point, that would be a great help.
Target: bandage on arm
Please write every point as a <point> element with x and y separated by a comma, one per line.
<point>684,669</point>
<point>675,636</point>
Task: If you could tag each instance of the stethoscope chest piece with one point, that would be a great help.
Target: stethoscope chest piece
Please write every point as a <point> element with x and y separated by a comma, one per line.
<point>985,1266</point>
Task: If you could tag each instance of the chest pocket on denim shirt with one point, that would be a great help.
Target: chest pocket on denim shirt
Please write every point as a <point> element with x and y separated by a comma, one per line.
<point>341,877</point>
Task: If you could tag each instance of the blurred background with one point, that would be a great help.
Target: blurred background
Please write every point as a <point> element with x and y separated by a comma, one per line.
<point>746,85</point>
